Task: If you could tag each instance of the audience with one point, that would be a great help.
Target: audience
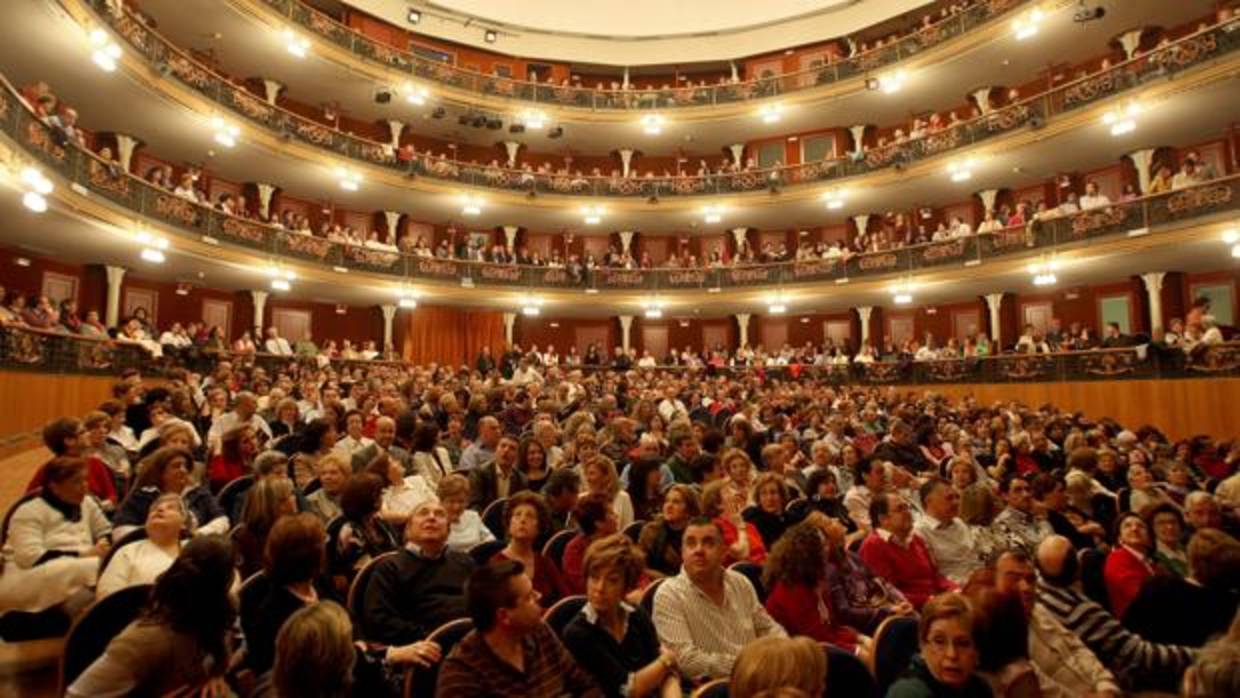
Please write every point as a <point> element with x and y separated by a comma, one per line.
<point>797,595</point>
<point>946,666</point>
<point>525,520</point>
<point>141,561</point>
<point>771,664</point>
<point>899,555</point>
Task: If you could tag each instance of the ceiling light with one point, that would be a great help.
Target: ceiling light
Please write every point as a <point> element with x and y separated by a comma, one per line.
<point>414,16</point>
<point>834,200</point>
<point>654,313</point>
<point>892,83</point>
<point>106,52</point>
<point>1235,251</point>
<point>490,36</point>
<point>1231,236</point>
<point>531,310</point>
<point>902,293</point>
<point>712,213</point>
<point>408,303</point>
<point>531,305</point>
<point>777,304</point>
<point>277,272</point>
<point>903,298</point>
<point>280,285</point>
<point>533,119</point>
<point>1043,272</point>
<point>591,290</point>
<point>961,171</point>
<point>771,113</point>
<point>349,179</point>
<point>415,94</point>
<point>34,201</point>
<point>1123,120</point>
<point>299,46</point>
<point>152,255</point>
<point>146,239</point>
<point>592,214</point>
<point>652,124</point>
<point>654,308</point>
<point>1026,25</point>
<point>471,205</point>
<point>37,181</point>
<point>226,134</point>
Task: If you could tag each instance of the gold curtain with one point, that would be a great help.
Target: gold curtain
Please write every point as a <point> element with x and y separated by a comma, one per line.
<point>450,335</point>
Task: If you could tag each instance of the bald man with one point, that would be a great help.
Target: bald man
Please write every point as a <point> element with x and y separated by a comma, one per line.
<point>1141,665</point>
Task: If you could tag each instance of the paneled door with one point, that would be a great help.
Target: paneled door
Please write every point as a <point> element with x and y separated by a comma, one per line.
<point>654,340</point>
<point>217,313</point>
<point>293,325</point>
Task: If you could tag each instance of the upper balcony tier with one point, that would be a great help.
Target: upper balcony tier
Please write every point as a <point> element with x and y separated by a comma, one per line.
<point>1126,78</point>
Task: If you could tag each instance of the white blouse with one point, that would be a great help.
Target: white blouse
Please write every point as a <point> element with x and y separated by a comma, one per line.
<point>137,563</point>
<point>468,531</point>
<point>404,498</point>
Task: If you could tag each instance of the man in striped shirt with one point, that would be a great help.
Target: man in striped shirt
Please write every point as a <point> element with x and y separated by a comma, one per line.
<point>707,613</point>
<point>1140,664</point>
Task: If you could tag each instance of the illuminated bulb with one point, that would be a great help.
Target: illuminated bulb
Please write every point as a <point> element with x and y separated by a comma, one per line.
<point>280,285</point>
<point>777,308</point>
<point>349,180</point>
<point>416,95</point>
<point>903,298</point>
<point>771,113</point>
<point>834,200</point>
<point>152,255</point>
<point>106,52</point>
<point>712,214</point>
<point>533,119</point>
<point>471,206</point>
<point>34,201</point>
<point>892,82</point>
<point>225,133</point>
<point>298,46</point>
<point>1027,26</point>
<point>531,310</point>
<point>592,214</point>
<point>961,171</point>
<point>652,124</point>
<point>1231,236</point>
<point>1235,251</point>
<point>408,303</point>
<point>654,313</point>
<point>37,181</point>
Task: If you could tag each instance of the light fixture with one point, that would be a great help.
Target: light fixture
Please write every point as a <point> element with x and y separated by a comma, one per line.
<point>533,119</point>
<point>654,308</point>
<point>531,305</point>
<point>591,290</point>
<point>1124,119</point>
<point>834,199</point>
<point>714,289</point>
<point>891,83</point>
<point>152,255</point>
<point>1235,251</point>
<point>21,261</point>
<point>414,16</point>
<point>407,298</point>
<point>1043,271</point>
<point>280,285</point>
<point>1231,236</point>
<point>299,46</point>
<point>902,292</point>
<point>712,213</point>
<point>771,113</point>
<point>471,205</point>
<point>106,52</point>
<point>415,94</point>
<point>281,275</point>
<point>777,304</point>
<point>342,309</point>
<point>652,124</point>
<point>490,36</point>
<point>961,171</point>
<point>409,303</point>
<point>183,289</point>
<point>349,179</point>
<point>225,133</point>
<point>34,201</point>
<point>1026,25</point>
<point>146,239</point>
<point>37,181</point>
<point>592,214</point>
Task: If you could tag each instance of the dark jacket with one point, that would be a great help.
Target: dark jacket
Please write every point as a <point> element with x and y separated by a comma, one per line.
<point>483,488</point>
<point>918,682</point>
<point>410,595</point>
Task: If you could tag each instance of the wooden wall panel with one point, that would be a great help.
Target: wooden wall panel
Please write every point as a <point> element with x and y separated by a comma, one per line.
<point>46,397</point>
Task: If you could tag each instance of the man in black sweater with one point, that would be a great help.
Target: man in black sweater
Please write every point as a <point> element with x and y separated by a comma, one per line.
<point>421,587</point>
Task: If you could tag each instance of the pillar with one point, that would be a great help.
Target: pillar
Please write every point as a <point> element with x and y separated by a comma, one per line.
<point>994,301</point>
<point>626,332</point>
<point>988,199</point>
<point>1142,160</point>
<point>512,148</point>
<point>116,275</point>
<point>626,240</point>
<point>862,222</point>
<point>272,89</point>
<point>265,193</point>
<point>982,97</point>
<point>863,313</point>
<point>389,314</point>
<point>738,235</point>
<point>1153,288</point>
<point>510,319</point>
<point>395,128</point>
<point>392,219</point>
<point>742,324</point>
<point>510,236</point>
<point>125,145</point>
<point>738,153</point>
<point>625,83</point>
<point>626,160</point>
<point>260,304</point>
<point>1131,40</point>
<point>736,76</point>
<point>858,136</point>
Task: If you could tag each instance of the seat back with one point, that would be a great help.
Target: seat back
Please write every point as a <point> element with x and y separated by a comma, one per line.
<point>231,494</point>
<point>562,612</point>
<point>493,518</point>
<point>647,602</point>
<point>483,552</point>
<point>132,537</point>
<point>895,643</point>
<point>848,676</point>
<point>252,591</point>
<point>1093,582</point>
<point>717,688</point>
<point>554,549</point>
<point>752,572</point>
<point>312,486</point>
<point>420,681</point>
<point>94,629</point>
<point>357,593</point>
<point>634,530</point>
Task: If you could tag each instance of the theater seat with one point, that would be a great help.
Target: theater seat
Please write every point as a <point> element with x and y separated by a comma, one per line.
<point>420,681</point>
<point>95,628</point>
<point>562,613</point>
<point>554,549</point>
<point>647,602</point>
<point>895,643</point>
<point>752,572</point>
<point>711,689</point>
<point>357,593</point>
<point>483,552</point>
<point>493,518</point>
<point>847,676</point>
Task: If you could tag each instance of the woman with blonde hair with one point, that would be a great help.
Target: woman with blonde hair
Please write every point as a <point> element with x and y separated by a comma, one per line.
<point>334,472</point>
<point>265,503</point>
<point>739,470</point>
<point>600,477</point>
<point>314,654</point>
<point>771,663</point>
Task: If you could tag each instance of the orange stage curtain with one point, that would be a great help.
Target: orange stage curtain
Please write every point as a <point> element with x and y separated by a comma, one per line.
<point>451,335</point>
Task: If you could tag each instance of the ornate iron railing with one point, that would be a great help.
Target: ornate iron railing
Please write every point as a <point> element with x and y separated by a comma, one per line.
<point>1195,49</point>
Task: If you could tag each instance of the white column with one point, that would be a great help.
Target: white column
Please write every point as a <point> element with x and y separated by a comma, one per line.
<point>626,160</point>
<point>512,148</point>
<point>858,136</point>
<point>863,313</point>
<point>862,221</point>
<point>510,319</point>
<point>982,97</point>
<point>742,324</point>
<point>626,240</point>
<point>260,304</point>
<point>389,314</point>
<point>116,275</point>
<point>510,235</point>
<point>625,84</point>
<point>735,73</point>
<point>395,128</point>
<point>738,153</point>
<point>738,235</point>
<point>988,199</point>
<point>1131,40</point>
<point>265,192</point>
<point>125,145</point>
<point>1153,288</point>
<point>392,219</point>
<point>272,89</point>
<point>626,331</point>
<point>994,301</point>
<point>1142,160</point>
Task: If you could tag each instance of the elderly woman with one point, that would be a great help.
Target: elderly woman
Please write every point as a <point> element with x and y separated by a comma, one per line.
<point>798,597</point>
<point>739,470</point>
<point>53,543</point>
<point>1167,522</point>
<point>401,494</point>
<point>946,666</point>
<point>768,516</point>
<point>142,561</point>
<point>612,640</point>
<point>334,471</point>
<point>467,529</point>
<point>167,471</point>
<point>1144,492</point>
<point>237,450</point>
<point>723,503</point>
<point>595,519</point>
<point>525,517</point>
<point>601,478</point>
<point>660,539</point>
<point>860,598</point>
<point>1128,564</point>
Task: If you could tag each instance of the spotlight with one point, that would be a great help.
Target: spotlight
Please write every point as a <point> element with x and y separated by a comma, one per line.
<point>383,96</point>
<point>439,113</point>
<point>490,36</point>
<point>556,132</point>
<point>494,124</point>
<point>516,128</point>
<point>414,16</point>
<point>652,124</point>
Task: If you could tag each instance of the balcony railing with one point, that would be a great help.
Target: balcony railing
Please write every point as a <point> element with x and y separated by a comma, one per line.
<point>1202,46</point>
<point>435,70</point>
<point>106,180</point>
<point>27,349</point>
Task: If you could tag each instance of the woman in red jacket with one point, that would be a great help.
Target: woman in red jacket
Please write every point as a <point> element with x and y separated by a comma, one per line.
<point>797,596</point>
<point>1129,564</point>
<point>237,450</point>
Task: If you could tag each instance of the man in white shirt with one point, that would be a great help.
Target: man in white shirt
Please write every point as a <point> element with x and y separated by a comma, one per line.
<point>950,540</point>
<point>873,476</point>
<point>276,344</point>
<point>707,613</point>
<point>354,440</point>
<point>526,373</point>
<point>244,413</point>
<point>671,406</point>
<point>1093,198</point>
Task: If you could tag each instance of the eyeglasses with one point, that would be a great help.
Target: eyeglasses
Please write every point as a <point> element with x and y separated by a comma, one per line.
<point>941,643</point>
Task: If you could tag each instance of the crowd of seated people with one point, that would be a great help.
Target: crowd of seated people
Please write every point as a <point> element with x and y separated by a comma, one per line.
<point>705,521</point>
